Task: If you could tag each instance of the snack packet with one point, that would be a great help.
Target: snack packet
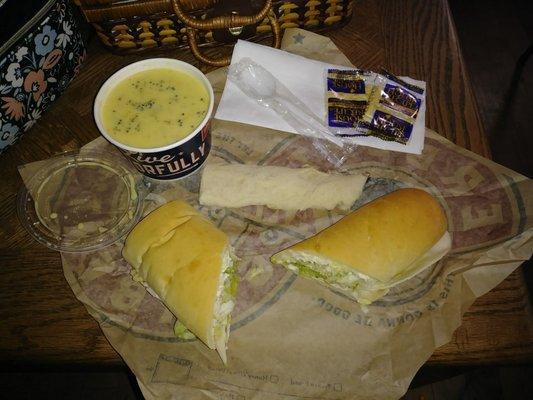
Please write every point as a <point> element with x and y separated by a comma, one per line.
<point>393,108</point>
<point>364,103</point>
<point>348,93</point>
<point>352,84</point>
<point>345,113</point>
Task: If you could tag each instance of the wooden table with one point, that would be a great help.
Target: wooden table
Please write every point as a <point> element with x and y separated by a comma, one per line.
<point>42,324</point>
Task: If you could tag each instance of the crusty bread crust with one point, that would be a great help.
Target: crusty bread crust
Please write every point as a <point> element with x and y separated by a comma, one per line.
<point>382,238</point>
<point>182,265</point>
<point>240,185</point>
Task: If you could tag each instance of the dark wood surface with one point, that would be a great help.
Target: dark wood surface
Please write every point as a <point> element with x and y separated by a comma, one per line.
<point>504,93</point>
<point>42,323</point>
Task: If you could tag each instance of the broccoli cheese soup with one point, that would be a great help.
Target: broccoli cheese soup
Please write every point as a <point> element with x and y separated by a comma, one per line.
<point>154,108</point>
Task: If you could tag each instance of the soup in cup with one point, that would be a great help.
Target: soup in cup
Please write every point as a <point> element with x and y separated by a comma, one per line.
<point>157,113</point>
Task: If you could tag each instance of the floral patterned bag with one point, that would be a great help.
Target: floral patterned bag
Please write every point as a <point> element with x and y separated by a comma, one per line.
<point>36,65</point>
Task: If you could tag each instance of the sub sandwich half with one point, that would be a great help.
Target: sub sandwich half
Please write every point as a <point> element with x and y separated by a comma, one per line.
<point>374,248</point>
<point>189,264</point>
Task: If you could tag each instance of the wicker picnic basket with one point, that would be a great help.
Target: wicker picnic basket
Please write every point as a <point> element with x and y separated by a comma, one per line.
<point>138,25</point>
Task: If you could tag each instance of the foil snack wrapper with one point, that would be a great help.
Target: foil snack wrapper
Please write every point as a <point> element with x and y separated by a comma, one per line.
<point>364,103</point>
<point>393,108</point>
<point>348,92</point>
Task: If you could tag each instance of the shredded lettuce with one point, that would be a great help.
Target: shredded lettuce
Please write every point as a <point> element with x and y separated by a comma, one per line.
<point>181,331</point>
<point>230,285</point>
<point>329,274</point>
<point>361,287</point>
<point>308,272</point>
<point>225,302</point>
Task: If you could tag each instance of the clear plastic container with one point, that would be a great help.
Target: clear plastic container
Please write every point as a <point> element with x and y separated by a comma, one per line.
<point>81,201</point>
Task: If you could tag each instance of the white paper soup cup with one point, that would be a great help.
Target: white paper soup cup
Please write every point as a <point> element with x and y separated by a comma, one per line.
<point>177,159</point>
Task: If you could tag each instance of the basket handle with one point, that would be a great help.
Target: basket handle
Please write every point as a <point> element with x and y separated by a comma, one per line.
<point>224,22</point>
<point>221,22</point>
<point>224,61</point>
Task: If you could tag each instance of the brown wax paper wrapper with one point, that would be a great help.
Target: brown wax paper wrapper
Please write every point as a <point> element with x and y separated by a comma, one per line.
<point>290,337</point>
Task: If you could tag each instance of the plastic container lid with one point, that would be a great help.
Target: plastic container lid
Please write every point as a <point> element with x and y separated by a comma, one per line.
<point>81,201</point>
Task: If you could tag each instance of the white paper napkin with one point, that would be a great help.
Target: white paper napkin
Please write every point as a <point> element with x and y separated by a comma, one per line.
<point>305,78</point>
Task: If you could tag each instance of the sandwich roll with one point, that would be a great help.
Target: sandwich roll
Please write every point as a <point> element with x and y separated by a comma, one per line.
<point>375,247</point>
<point>240,185</point>
<point>188,263</point>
